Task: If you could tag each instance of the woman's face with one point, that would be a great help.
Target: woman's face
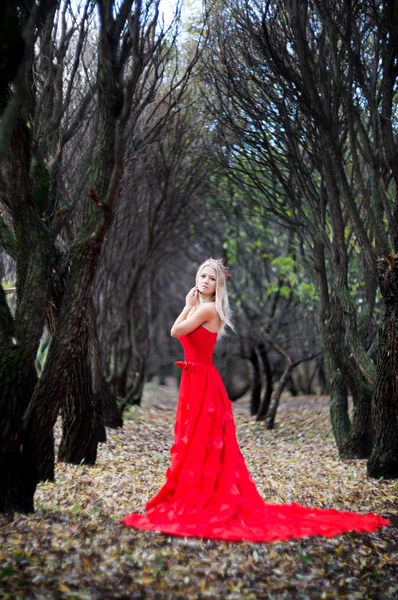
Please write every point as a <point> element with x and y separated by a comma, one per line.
<point>207,281</point>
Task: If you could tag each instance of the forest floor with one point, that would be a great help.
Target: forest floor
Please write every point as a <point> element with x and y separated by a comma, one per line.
<point>73,546</point>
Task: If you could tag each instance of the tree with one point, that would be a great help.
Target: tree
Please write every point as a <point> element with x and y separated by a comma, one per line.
<point>274,300</point>
<point>161,180</point>
<point>55,278</point>
<point>292,149</point>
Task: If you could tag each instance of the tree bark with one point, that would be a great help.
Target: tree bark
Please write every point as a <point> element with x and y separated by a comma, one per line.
<point>82,419</point>
<point>383,461</point>
<point>353,439</point>
<point>278,393</point>
<point>105,401</point>
<point>266,399</point>
<point>18,351</point>
<point>338,409</point>
<point>338,399</point>
<point>41,414</point>
<point>18,378</point>
<point>255,398</point>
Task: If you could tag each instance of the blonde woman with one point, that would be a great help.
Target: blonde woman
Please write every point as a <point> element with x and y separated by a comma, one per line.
<point>209,492</point>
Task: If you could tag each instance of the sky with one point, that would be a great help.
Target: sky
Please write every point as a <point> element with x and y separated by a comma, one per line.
<point>168,8</point>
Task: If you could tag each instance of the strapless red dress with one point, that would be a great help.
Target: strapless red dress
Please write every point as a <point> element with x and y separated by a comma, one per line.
<point>209,492</point>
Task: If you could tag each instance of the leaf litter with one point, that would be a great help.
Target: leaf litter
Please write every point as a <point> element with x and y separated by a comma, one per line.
<point>74,546</point>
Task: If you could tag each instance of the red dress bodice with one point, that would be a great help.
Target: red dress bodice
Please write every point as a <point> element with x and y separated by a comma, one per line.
<point>199,346</point>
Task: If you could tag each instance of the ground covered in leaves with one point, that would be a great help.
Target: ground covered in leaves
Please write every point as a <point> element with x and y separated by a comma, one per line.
<point>74,547</point>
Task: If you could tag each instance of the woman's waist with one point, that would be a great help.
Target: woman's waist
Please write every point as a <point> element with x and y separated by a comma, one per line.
<point>192,364</point>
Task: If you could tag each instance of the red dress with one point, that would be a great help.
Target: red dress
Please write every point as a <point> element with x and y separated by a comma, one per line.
<point>209,492</point>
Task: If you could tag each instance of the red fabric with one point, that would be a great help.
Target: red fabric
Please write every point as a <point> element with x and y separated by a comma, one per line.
<point>209,492</point>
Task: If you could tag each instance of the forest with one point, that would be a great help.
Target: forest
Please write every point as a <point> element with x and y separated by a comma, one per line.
<point>135,142</point>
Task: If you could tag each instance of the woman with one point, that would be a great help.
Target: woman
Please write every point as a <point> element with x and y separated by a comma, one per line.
<point>208,491</point>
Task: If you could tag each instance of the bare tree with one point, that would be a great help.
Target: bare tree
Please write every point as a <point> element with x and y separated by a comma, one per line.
<point>55,226</point>
<point>293,147</point>
<point>162,176</point>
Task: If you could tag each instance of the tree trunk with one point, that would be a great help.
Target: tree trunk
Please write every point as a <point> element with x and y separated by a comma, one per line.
<point>81,421</point>
<point>53,385</point>
<point>266,400</point>
<point>83,411</point>
<point>383,461</point>
<point>110,409</point>
<point>122,364</point>
<point>268,378</point>
<point>354,439</point>
<point>104,399</point>
<point>321,376</point>
<point>359,443</point>
<point>256,384</point>
<point>18,351</point>
<point>18,379</point>
<point>134,394</point>
<point>278,393</point>
<point>338,408</point>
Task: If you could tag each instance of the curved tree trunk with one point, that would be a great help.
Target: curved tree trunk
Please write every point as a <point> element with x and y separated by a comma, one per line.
<point>53,385</point>
<point>18,379</point>
<point>274,402</point>
<point>134,394</point>
<point>111,412</point>
<point>20,338</point>
<point>383,461</point>
<point>82,422</point>
<point>105,401</point>
<point>266,399</point>
<point>338,409</point>
<point>255,398</point>
<point>81,410</point>
<point>278,393</point>
<point>353,439</point>
<point>360,440</point>
<point>88,403</point>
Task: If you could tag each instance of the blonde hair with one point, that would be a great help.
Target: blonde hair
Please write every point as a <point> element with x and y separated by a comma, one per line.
<point>220,296</point>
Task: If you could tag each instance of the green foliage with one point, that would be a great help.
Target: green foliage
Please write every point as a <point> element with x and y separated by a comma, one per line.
<point>307,292</point>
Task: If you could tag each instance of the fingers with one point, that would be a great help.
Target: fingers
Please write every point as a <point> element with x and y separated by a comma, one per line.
<point>192,295</point>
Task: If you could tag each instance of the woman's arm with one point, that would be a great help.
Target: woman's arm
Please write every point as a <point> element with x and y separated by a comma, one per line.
<point>185,324</point>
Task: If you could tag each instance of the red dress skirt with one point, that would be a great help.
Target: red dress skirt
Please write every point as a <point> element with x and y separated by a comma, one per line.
<point>208,492</point>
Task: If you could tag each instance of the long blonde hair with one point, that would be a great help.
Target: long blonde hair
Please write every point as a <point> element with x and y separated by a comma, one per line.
<point>220,296</point>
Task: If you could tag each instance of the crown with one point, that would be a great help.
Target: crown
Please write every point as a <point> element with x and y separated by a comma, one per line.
<point>220,263</point>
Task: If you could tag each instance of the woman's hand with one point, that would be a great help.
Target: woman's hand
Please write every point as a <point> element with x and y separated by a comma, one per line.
<point>191,297</point>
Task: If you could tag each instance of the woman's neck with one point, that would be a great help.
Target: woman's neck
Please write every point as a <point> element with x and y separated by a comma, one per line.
<point>207,298</point>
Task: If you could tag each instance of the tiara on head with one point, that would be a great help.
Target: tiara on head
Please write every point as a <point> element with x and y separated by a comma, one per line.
<point>220,263</point>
